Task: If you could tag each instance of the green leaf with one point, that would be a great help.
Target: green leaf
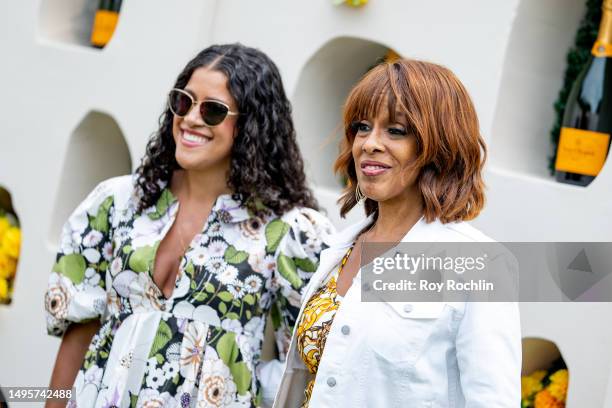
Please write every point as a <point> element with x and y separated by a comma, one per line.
<point>237,302</point>
<point>287,269</point>
<point>141,259</point>
<point>164,201</point>
<point>242,376</point>
<point>103,354</point>
<point>200,296</point>
<point>72,266</point>
<point>225,296</point>
<point>233,256</point>
<point>209,287</point>
<point>275,315</point>
<point>127,249</point>
<point>100,221</point>
<point>160,359</point>
<point>176,378</point>
<point>103,266</point>
<point>227,348</point>
<point>232,316</point>
<point>162,337</point>
<point>189,269</point>
<point>275,231</point>
<point>249,299</point>
<point>133,400</point>
<point>193,285</point>
<point>248,314</point>
<point>222,308</point>
<point>305,264</point>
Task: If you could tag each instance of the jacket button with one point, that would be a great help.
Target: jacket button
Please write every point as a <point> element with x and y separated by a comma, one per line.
<point>345,330</point>
<point>331,381</point>
<point>408,308</point>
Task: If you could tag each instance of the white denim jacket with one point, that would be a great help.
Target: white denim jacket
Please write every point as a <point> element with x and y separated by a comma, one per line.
<point>421,354</point>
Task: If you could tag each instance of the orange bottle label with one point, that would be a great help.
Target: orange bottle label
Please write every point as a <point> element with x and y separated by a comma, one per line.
<point>601,49</point>
<point>104,25</point>
<point>581,151</point>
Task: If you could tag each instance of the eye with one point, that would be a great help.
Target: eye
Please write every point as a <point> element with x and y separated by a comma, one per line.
<point>359,127</point>
<point>398,131</point>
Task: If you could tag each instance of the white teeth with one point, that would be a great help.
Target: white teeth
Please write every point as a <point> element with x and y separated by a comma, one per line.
<point>193,138</point>
<point>374,167</point>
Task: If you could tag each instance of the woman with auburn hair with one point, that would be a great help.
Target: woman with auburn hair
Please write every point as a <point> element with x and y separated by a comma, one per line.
<point>413,153</point>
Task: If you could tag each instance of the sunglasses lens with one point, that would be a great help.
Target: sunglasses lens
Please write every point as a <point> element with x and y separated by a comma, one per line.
<point>179,103</point>
<point>213,112</point>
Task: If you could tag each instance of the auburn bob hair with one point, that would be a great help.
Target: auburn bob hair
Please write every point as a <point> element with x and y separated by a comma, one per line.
<point>450,150</point>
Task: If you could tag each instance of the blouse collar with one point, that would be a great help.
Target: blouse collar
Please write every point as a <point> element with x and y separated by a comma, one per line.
<point>228,207</point>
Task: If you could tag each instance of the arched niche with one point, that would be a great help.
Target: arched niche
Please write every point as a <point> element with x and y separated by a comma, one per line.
<point>321,90</point>
<point>67,21</point>
<point>96,151</point>
<point>533,68</point>
<point>10,246</point>
<point>541,355</point>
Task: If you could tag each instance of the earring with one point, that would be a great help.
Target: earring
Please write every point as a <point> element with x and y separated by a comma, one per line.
<point>358,194</point>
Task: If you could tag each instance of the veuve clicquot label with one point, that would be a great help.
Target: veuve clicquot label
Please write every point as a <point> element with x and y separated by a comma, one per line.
<point>581,151</point>
<point>105,21</point>
<point>587,121</point>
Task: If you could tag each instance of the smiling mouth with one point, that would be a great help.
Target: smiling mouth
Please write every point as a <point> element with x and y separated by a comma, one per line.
<point>370,169</point>
<point>191,139</point>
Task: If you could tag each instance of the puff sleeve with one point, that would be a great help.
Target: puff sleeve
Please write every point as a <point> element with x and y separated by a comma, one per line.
<point>76,287</point>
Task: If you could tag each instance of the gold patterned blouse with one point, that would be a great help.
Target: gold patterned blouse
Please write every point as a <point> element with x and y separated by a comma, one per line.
<point>315,323</point>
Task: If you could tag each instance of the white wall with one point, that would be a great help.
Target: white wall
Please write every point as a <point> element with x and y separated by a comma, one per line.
<point>510,55</point>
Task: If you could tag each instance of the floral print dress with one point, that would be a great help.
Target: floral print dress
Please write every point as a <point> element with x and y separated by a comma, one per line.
<point>200,347</point>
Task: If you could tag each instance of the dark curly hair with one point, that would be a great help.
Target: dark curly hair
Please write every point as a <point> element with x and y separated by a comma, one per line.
<point>266,165</point>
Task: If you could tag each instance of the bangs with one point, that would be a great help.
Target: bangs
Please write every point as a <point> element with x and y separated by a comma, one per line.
<point>375,92</point>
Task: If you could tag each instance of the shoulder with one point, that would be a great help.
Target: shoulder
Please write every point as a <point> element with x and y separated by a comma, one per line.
<point>120,188</point>
<point>307,232</point>
<point>462,231</point>
<point>307,220</point>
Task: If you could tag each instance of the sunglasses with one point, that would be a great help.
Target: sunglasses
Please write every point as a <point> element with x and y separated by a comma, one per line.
<point>213,113</point>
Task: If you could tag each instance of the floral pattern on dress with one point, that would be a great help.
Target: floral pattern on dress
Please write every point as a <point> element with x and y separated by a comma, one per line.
<point>315,323</point>
<point>201,346</point>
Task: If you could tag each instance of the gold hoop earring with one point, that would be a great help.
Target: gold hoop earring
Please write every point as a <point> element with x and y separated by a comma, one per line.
<point>358,194</point>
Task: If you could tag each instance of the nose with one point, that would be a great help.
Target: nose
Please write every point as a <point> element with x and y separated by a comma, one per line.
<point>193,117</point>
<point>373,142</point>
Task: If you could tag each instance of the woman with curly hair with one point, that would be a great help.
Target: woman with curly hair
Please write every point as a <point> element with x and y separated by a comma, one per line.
<point>164,279</point>
<point>413,154</point>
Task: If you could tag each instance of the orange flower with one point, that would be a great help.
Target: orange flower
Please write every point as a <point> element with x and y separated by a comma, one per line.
<point>544,399</point>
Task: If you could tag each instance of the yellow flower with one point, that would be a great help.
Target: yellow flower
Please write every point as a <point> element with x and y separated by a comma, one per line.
<point>8,266</point>
<point>356,3</point>
<point>558,385</point>
<point>538,375</point>
<point>545,400</point>
<point>12,242</point>
<point>4,225</point>
<point>3,289</point>
<point>529,386</point>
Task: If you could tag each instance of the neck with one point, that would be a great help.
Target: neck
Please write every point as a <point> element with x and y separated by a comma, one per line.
<point>199,186</point>
<point>397,216</point>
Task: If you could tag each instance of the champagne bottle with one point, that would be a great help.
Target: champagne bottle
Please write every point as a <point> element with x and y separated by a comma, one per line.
<point>105,22</point>
<point>587,122</point>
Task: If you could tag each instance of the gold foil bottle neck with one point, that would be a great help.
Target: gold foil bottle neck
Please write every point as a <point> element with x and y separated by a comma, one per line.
<point>607,5</point>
